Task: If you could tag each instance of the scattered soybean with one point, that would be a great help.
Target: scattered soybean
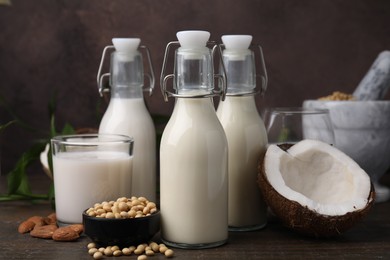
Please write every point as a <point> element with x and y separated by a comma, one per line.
<point>142,250</point>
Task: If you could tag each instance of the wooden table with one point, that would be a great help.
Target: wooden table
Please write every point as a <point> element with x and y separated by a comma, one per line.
<point>367,240</point>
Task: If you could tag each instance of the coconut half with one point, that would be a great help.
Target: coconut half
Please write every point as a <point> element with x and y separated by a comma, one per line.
<point>314,188</point>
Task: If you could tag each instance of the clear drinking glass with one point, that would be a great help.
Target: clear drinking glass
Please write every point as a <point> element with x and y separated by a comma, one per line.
<point>293,124</point>
<point>87,169</point>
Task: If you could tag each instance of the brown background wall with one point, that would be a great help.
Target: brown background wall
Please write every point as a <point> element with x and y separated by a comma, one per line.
<point>53,48</point>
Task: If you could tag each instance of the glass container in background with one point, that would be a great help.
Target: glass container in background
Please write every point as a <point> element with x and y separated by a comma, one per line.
<point>290,125</point>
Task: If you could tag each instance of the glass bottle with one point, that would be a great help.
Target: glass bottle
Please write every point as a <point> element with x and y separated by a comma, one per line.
<point>127,113</point>
<point>245,132</point>
<point>193,152</point>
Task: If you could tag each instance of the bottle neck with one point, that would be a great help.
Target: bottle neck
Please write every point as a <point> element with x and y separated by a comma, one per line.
<point>120,91</point>
<point>193,71</point>
<point>127,75</point>
<point>240,71</point>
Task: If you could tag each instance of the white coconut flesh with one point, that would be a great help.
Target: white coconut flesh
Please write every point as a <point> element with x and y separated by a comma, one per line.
<point>318,176</point>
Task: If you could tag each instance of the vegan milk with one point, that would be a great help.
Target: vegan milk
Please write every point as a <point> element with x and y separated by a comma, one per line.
<point>83,178</point>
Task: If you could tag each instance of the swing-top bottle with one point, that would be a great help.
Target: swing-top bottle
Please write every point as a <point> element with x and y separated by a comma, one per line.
<point>245,132</point>
<point>193,152</point>
<point>127,113</point>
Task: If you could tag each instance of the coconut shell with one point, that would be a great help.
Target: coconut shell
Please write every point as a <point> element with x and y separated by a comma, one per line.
<point>303,220</point>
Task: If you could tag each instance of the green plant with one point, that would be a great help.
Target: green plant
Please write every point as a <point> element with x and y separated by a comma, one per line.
<point>3,127</point>
<point>18,186</point>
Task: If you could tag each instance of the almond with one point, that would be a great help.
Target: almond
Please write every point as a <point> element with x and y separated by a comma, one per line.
<point>65,234</point>
<point>38,220</point>
<point>51,219</point>
<point>26,226</point>
<point>43,231</point>
<point>79,228</point>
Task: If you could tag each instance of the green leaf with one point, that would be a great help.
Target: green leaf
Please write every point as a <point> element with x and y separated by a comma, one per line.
<point>284,135</point>
<point>53,131</point>
<point>52,105</point>
<point>68,130</point>
<point>3,127</point>
<point>17,120</point>
<point>17,178</point>
<point>18,184</point>
<point>23,197</point>
<point>50,195</point>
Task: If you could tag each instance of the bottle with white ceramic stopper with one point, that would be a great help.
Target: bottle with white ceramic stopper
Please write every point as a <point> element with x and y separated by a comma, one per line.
<point>193,151</point>
<point>245,132</point>
<point>127,113</point>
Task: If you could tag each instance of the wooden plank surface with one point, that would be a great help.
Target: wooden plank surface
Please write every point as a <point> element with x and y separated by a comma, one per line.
<point>369,239</point>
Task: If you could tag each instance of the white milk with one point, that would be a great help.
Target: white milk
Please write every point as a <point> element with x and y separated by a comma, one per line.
<point>193,169</point>
<point>82,179</point>
<point>129,116</point>
<point>247,141</point>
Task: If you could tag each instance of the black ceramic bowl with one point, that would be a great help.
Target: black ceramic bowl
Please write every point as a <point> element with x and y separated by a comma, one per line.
<point>121,232</point>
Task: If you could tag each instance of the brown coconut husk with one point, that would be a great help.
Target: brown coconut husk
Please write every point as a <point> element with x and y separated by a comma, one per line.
<point>303,220</point>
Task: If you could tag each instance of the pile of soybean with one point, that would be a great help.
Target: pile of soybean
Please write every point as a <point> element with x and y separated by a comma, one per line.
<point>142,250</point>
<point>123,208</point>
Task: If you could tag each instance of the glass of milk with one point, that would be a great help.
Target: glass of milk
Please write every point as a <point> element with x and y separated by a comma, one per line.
<point>89,168</point>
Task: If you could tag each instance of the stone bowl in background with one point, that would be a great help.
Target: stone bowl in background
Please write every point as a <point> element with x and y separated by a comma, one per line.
<point>362,131</point>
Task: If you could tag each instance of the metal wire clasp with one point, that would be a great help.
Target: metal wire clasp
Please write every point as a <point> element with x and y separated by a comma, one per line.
<point>263,76</point>
<point>100,77</point>
<point>221,78</point>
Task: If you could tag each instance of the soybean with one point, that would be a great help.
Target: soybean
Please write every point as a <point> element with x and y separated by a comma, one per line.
<point>163,249</point>
<point>169,253</point>
<point>139,250</point>
<point>126,251</point>
<point>108,251</point>
<point>91,245</point>
<point>92,251</point>
<point>123,208</point>
<point>142,250</point>
<point>117,253</point>
<point>97,255</point>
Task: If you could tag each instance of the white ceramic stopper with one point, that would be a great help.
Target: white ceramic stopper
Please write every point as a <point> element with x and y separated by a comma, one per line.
<point>193,39</point>
<point>127,45</point>
<point>237,42</point>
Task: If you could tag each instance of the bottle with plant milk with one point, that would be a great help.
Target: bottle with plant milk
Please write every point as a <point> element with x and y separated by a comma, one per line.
<point>127,114</point>
<point>245,132</point>
<point>193,152</point>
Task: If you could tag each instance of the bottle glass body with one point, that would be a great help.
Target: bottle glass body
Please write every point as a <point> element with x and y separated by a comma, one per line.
<point>194,181</point>
<point>127,114</point>
<point>247,142</point>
